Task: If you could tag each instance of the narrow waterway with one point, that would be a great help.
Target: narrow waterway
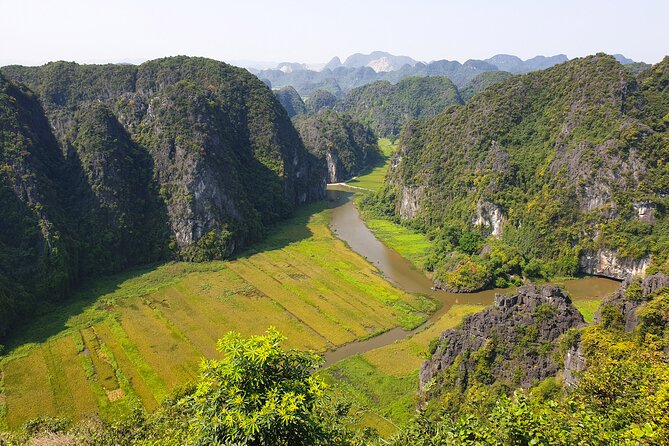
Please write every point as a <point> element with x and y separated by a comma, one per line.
<point>347,225</point>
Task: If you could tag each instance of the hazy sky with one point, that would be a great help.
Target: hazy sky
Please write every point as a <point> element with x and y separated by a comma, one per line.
<point>37,31</point>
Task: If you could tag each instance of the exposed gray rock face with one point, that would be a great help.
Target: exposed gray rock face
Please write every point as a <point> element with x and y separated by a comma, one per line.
<point>605,262</point>
<point>489,215</point>
<point>628,304</point>
<point>574,363</point>
<point>507,337</point>
<point>645,211</point>
<point>409,204</point>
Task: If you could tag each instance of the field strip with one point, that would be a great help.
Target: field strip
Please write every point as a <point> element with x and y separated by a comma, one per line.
<point>306,287</point>
<point>332,290</point>
<point>306,313</point>
<point>129,370</point>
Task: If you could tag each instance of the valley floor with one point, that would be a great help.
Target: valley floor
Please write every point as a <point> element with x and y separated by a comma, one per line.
<point>131,339</point>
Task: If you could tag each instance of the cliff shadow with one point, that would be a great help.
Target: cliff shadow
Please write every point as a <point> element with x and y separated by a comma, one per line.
<point>81,309</point>
<point>293,229</point>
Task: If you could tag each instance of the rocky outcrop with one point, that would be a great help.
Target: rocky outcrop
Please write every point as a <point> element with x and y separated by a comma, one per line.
<point>409,201</point>
<point>343,145</point>
<point>645,211</point>
<point>605,262</point>
<point>489,216</point>
<point>574,363</point>
<point>633,293</point>
<point>511,341</point>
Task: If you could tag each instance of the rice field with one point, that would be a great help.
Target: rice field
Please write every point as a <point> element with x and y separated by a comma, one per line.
<point>131,339</point>
<point>372,178</point>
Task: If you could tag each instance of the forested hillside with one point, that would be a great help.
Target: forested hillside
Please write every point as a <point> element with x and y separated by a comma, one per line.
<point>386,107</point>
<point>344,144</point>
<point>110,166</point>
<point>550,173</point>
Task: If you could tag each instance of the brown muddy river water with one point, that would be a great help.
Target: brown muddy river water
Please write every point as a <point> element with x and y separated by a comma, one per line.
<point>347,225</point>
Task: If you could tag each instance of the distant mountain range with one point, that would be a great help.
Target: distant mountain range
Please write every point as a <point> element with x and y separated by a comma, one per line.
<point>362,69</point>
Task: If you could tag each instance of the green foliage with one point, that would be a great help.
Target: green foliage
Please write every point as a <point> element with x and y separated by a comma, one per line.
<point>386,107</point>
<point>470,242</point>
<point>461,272</point>
<point>535,149</point>
<point>257,394</point>
<point>544,312</point>
<point>634,290</point>
<point>212,246</point>
<point>612,318</point>
<point>346,145</point>
<point>291,101</point>
<point>320,100</point>
<point>482,82</point>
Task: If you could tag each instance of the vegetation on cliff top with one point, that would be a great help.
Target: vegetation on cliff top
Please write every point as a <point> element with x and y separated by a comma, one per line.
<point>109,166</point>
<point>386,107</point>
<point>344,145</point>
<point>559,161</point>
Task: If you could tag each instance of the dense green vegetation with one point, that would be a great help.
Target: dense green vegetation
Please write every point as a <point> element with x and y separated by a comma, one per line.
<point>344,145</point>
<point>320,100</point>
<point>481,82</point>
<point>105,167</point>
<point>290,99</point>
<point>386,107</point>
<point>556,163</point>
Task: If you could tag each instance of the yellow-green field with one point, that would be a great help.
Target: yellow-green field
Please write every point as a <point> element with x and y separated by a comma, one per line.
<point>373,178</point>
<point>383,382</point>
<point>131,339</point>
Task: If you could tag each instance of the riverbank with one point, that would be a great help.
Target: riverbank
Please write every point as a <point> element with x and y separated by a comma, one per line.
<point>381,374</point>
<point>128,340</point>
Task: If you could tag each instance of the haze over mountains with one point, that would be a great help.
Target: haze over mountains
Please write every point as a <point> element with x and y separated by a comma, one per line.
<point>360,69</point>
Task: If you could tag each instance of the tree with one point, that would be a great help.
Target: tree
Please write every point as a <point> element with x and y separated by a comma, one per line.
<point>258,394</point>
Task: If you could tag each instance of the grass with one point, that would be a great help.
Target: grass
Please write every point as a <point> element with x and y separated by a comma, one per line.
<point>132,338</point>
<point>383,382</point>
<point>372,178</point>
<point>588,308</point>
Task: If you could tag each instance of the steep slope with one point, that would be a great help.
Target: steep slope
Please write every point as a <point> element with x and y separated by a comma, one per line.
<point>187,155</point>
<point>291,101</point>
<point>510,342</point>
<point>345,145</point>
<point>37,255</point>
<point>481,82</point>
<point>563,168</point>
<point>320,100</point>
<point>386,107</point>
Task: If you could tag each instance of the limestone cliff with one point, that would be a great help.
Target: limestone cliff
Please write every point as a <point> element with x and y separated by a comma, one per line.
<point>510,342</point>
<point>563,166</point>
<point>119,165</point>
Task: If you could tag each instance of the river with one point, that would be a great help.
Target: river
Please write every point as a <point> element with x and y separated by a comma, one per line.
<point>347,225</point>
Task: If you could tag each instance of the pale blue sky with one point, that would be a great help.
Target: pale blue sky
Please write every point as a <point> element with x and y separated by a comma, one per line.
<point>37,31</point>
